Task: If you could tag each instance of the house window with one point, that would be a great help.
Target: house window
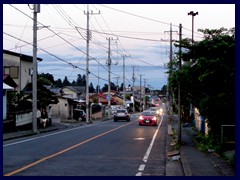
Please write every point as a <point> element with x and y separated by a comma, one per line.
<point>12,71</point>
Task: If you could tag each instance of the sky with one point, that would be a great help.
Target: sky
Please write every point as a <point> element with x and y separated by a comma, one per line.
<point>140,32</point>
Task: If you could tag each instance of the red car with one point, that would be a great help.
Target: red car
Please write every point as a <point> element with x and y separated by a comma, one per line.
<point>148,118</point>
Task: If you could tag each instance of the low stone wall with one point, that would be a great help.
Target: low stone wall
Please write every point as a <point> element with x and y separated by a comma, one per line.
<point>97,115</point>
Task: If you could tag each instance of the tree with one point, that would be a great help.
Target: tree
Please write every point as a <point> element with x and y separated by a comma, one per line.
<point>47,78</point>
<point>121,87</point>
<point>105,88</point>
<point>98,88</point>
<point>79,80</point>
<point>208,77</point>
<point>91,88</point>
<point>84,80</point>
<point>66,82</point>
<point>58,83</point>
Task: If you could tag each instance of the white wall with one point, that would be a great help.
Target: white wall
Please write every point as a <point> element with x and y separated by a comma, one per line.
<point>25,76</point>
<point>22,119</point>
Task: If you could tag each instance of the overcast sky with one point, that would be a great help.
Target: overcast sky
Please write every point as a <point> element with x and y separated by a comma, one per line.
<point>142,32</point>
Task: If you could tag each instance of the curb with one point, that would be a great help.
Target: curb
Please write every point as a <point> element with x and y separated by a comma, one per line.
<point>186,169</point>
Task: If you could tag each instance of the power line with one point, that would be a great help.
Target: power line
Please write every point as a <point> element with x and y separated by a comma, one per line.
<point>74,66</point>
<point>62,39</point>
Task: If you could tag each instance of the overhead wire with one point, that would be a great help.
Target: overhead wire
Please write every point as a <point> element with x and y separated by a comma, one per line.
<point>99,32</point>
<point>53,55</point>
<point>61,38</point>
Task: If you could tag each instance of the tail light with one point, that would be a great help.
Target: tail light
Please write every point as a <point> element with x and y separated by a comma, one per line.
<point>140,118</point>
<point>154,118</point>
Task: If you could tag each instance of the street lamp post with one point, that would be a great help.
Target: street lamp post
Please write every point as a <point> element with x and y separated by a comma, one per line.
<point>191,13</point>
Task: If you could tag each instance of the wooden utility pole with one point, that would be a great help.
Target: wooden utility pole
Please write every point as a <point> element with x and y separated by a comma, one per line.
<point>179,84</point>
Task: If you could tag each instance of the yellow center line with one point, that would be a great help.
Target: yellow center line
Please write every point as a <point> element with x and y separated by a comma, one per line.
<point>65,150</point>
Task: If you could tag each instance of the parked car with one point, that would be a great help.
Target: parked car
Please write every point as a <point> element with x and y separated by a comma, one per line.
<point>79,115</point>
<point>121,114</point>
<point>148,118</point>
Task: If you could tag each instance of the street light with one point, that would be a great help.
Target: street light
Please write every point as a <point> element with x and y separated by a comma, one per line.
<point>191,13</point>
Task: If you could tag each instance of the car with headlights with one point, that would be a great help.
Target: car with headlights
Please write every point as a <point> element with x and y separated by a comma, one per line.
<point>156,110</point>
<point>148,118</point>
<point>121,114</point>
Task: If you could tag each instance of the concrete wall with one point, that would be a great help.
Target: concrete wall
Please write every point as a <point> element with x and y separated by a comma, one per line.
<point>97,115</point>
<point>4,104</point>
<point>63,109</point>
<point>200,122</point>
<point>22,119</point>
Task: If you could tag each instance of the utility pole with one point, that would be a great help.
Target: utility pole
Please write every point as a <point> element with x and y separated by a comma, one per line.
<point>140,91</point>
<point>141,100</point>
<point>98,81</point>
<point>144,95</point>
<point>109,62</point>
<point>87,65</point>
<point>133,77</point>
<point>117,77</point>
<point>179,84</point>
<point>124,88</point>
<point>169,90</point>
<point>34,79</point>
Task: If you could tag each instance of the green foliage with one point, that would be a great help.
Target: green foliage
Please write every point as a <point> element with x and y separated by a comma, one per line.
<point>47,78</point>
<point>207,77</point>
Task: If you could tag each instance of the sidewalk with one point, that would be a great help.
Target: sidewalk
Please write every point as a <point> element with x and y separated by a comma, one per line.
<point>195,162</point>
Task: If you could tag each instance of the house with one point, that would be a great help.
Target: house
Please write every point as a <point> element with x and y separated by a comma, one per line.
<point>98,98</point>
<point>6,88</point>
<point>69,97</point>
<point>73,91</point>
<point>18,66</point>
<point>16,74</point>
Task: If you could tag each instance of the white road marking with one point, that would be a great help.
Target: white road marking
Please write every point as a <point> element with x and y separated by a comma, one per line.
<point>138,139</point>
<point>145,158</point>
<point>141,167</point>
<point>139,174</point>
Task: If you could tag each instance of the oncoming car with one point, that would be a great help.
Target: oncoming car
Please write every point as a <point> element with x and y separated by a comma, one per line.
<point>121,114</point>
<point>148,118</point>
<point>157,110</point>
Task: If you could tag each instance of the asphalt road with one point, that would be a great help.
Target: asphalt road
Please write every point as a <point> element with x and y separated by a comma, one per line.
<point>102,149</point>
